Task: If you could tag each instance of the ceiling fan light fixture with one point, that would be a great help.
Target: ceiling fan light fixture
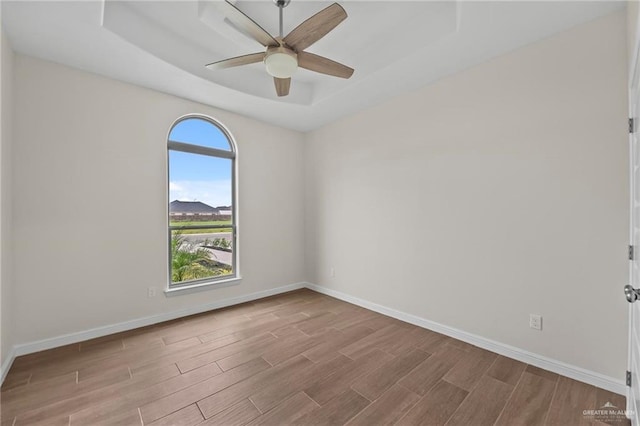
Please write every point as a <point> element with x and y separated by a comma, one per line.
<point>281,62</point>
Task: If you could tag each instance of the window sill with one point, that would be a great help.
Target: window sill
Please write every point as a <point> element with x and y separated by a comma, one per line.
<point>179,291</point>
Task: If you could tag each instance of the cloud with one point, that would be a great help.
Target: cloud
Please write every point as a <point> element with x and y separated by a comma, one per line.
<point>214,193</point>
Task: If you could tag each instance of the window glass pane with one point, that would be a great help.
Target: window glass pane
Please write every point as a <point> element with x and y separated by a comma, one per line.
<point>200,190</point>
<point>199,132</point>
<point>195,177</point>
<point>200,254</point>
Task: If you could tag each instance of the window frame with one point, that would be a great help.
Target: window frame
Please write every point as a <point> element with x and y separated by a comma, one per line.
<point>232,154</point>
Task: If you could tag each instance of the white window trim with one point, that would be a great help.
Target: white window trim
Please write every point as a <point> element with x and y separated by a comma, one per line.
<point>195,288</point>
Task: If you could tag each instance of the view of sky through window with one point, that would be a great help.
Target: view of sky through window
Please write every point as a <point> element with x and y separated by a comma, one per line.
<point>197,177</point>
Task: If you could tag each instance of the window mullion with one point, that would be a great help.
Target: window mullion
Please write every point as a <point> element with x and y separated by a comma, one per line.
<point>178,227</point>
<point>202,150</point>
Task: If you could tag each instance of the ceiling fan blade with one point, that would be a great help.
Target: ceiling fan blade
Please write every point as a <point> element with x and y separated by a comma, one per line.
<point>237,61</point>
<point>323,65</point>
<point>248,25</point>
<point>316,27</point>
<point>282,85</point>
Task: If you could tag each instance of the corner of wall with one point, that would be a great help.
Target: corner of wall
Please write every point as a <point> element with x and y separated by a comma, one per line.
<point>6,239</point>
<point>308,208</point>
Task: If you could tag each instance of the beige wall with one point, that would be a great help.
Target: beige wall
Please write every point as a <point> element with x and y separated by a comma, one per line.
<point>495,193</point>
<point>633,16</point>
<point>88,152</point>
<point>6,281</point>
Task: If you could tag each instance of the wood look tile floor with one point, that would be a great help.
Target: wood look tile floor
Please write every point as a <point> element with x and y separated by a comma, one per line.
<point>299,358</point>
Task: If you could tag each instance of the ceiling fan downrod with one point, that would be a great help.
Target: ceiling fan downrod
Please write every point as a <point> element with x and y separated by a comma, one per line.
<point>281,5</point>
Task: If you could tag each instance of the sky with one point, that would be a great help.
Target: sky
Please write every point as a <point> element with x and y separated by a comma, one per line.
<point>194,177</point>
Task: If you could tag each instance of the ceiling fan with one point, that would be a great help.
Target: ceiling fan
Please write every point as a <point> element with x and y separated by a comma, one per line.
<point>285,54</point>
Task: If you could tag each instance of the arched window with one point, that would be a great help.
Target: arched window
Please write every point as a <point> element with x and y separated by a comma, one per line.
<point>202,205</point>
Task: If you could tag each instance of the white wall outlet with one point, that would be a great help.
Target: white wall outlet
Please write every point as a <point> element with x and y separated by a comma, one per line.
<point>535,321</point>
<point>151,292</point>
<point>332,272</point>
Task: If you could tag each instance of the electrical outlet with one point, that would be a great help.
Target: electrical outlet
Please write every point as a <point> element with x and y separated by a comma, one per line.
<point>535,321</point>
<point>332,272</point>
<point>151,292</point>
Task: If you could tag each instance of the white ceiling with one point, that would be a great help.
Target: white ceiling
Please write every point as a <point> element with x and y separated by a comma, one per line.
<point>394,46</point>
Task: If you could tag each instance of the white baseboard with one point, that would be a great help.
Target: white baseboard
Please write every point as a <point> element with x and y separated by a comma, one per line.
<point>6,364</point>
<point>576,373</point>
<point>66,339</point>
<point>559,367</point>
